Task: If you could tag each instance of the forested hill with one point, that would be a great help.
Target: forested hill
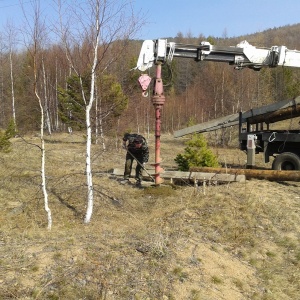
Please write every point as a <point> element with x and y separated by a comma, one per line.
<point>285,35</point>
<point>195,92</point>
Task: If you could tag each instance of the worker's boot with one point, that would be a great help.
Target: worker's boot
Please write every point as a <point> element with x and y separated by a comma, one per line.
<point>138,183</point>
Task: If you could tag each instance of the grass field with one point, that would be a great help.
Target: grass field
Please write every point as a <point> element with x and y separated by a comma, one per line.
<point>229,241</point>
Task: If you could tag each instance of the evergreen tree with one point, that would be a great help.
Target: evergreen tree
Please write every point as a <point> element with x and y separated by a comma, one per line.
<point>111,101</point>
<point>71,103</point>
<point>5,136</point>
<point>196,154</point>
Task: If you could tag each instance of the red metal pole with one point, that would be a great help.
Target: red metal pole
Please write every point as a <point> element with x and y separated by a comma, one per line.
<point>158,100</point>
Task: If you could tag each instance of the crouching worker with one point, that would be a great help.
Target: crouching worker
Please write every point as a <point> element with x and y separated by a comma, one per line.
<point>137,149</point>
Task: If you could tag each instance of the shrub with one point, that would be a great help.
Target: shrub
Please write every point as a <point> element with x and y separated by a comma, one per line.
<point>196,154</point>
<point>6,135</point>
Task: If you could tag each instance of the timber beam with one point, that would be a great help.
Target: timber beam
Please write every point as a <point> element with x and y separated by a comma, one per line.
<point>278,111</point>
<point>189,176</point>
<point>272,175</point>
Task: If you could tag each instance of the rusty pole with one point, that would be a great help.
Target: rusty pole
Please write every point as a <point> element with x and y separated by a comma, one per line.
<point>158,100</point>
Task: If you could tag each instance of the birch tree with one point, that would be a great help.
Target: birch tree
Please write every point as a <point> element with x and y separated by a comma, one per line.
<point>46,105</point>
<point>11,36</point>
<point>34,36</point>
<point>89,36</point>
<point>89,177</point>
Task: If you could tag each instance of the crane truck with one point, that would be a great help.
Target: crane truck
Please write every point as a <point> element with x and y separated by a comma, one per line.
<point>283,145</point>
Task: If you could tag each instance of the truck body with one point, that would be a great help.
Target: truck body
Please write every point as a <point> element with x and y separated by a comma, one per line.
<point>256,136</point>
<point>283,145</point>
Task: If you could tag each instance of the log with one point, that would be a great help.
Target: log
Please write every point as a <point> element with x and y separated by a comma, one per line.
<point>272,175</point>
<point>189,176</point>
<point>278,115</point>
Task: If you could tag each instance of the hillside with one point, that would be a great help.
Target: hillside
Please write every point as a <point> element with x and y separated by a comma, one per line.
<point>227,241</point>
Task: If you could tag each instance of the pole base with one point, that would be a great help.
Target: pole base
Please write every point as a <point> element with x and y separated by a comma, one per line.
<point>158,180</point>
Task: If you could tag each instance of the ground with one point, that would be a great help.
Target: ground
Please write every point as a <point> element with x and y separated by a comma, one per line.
<point>230,241</point>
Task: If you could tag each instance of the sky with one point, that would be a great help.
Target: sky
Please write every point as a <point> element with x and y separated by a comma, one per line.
<point>166,18</point>
<point>216,17</point>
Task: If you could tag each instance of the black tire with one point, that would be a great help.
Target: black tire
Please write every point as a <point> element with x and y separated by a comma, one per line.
<point>286,161</point>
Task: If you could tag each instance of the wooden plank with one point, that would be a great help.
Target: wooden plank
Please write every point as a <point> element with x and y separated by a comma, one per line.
<point>217,177</point>
<point>272,175</point>
<point>222,122</point>
<point>271,113</point>
<point>165,174</point>
<point>190,176</point>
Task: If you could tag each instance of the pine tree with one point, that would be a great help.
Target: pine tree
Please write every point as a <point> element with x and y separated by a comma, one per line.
<point>196,154</point>
<point>5,136</point>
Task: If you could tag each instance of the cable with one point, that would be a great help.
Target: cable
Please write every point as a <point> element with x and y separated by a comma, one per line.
<point>273,139</point>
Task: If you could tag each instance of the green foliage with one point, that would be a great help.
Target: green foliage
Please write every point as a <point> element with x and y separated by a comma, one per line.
<point>191,122</point>
<point>72,105</point>
<point>71,102</point>
<point>113,99</point>
<point>211,40</point>
<point>5,136</point>
<point>11,129</point>
<point>196,154</point>
<point>130,81</point>
<point>4,143</point>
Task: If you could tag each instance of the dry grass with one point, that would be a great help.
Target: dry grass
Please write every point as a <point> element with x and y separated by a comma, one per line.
<point>238,241</point>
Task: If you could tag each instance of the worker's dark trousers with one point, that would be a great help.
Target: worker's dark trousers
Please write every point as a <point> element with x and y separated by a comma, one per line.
<point>128,166</point>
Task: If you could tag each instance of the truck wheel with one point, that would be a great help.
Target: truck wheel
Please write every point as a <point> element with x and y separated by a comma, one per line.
<point>286,161</point>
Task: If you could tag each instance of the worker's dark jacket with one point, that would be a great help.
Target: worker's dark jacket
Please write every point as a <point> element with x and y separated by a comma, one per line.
<point>137,146</point>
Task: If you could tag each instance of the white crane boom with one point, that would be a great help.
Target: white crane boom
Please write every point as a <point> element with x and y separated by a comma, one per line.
<point>241,56</point>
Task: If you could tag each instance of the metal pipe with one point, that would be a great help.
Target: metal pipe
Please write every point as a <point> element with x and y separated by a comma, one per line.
<point>158,100</point>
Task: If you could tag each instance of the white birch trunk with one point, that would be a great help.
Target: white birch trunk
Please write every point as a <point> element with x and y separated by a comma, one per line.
<point>36,32</point>
<point>97,116</point>
<point>89,175</point>
<point>46,100</point>
<point>43,160</point>
<point>12,88</point>
<point>56,97</point>
<point>43,175</point>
